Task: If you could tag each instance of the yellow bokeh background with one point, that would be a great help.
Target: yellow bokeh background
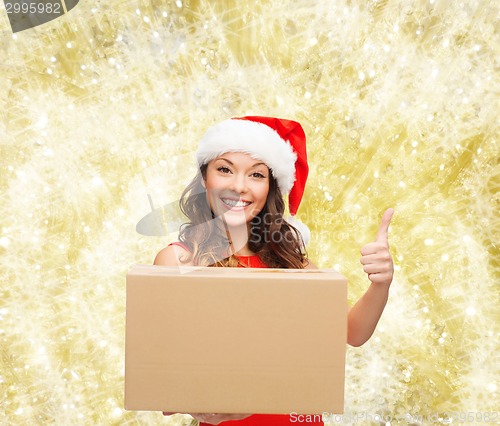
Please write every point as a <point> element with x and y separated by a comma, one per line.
<point>105,105</point>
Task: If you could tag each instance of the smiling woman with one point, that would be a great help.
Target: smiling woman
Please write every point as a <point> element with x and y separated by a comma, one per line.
<point>235,206</point>
<point>235,203</point>
<point>237,187</point>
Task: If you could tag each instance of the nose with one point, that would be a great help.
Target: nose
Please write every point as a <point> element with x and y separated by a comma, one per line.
<point>239,183</point>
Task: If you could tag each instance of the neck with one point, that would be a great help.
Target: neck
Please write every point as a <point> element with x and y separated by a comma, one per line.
<point>238,238</point>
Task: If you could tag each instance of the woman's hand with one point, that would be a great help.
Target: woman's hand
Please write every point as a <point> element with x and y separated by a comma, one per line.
<point>375,257</point>
<point>213,418</point>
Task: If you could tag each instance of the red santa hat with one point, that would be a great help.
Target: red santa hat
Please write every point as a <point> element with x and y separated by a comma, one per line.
<point>280,143</point>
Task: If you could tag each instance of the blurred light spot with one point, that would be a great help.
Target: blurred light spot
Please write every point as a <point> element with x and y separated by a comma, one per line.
<point>470,311</point>
<point>42,121</point>
<point>4,242</point>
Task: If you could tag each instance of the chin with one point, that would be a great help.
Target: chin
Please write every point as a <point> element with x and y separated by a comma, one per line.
<point>236,219</point>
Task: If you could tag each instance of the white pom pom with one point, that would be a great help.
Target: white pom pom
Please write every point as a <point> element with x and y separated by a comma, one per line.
<point>301,227</point>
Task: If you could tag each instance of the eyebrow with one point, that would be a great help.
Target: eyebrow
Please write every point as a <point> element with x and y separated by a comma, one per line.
<point>232,164</point>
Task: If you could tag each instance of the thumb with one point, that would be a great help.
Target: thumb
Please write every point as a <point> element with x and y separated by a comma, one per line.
<point>383,230</point>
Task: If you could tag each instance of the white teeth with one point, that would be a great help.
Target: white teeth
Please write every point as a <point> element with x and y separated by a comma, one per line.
<point>234,203</point>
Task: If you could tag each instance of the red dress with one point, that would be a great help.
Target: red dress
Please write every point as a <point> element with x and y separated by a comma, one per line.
<point>261,419</point>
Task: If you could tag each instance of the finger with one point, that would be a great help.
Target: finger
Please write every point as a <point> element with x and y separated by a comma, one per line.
<point>204,417</point>
<point>383,230</point>
<point>373,258</point>
<point>372,248</point>
<point>380,278</point>
<point>378,268</point>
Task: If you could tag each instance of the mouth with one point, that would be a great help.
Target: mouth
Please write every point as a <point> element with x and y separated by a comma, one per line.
<point>233,204</point>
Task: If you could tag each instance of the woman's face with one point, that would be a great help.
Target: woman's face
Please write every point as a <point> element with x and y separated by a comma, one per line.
<point>237,186</point>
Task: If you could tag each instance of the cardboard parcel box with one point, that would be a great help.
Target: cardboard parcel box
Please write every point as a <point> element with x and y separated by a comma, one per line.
<point>235,340</point>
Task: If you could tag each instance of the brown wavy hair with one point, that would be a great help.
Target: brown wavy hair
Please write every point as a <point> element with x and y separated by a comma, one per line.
<point>275,241</point>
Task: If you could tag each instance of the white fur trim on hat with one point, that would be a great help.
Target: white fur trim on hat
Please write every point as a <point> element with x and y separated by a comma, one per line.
<point>256,139</point>
<point>301,227</point>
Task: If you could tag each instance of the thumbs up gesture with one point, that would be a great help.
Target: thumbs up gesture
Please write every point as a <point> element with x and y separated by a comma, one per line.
<point>375,257</point>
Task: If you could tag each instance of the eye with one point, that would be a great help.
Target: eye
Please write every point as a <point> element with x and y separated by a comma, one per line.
<point>258,175</point>
<point>223,169</point>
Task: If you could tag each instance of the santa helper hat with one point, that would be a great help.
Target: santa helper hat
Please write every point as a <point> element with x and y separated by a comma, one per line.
<point>280,143</point>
